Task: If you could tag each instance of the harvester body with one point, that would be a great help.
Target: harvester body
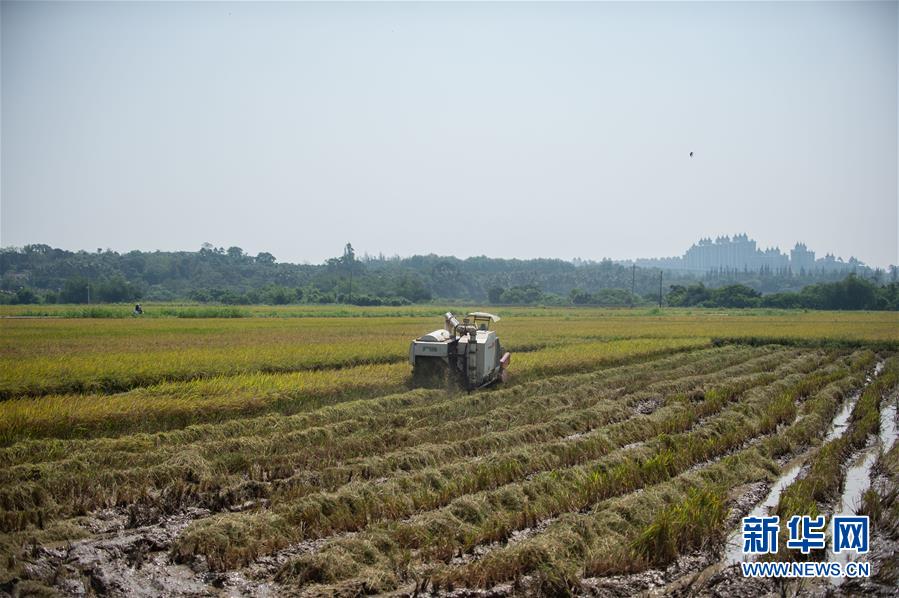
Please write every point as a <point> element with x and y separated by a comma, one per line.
<point>466,353</point>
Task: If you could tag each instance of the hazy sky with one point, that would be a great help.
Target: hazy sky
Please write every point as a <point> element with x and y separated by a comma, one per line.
<point>505,129</point>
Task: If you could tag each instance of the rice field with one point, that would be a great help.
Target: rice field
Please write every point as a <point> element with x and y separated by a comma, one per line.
<point>286,452</point>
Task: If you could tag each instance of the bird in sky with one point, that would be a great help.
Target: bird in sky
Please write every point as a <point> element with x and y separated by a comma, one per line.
<point>691,154</point>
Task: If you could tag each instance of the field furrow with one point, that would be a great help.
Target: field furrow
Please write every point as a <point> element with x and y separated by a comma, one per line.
<point>563,488</point>
<point>424,405</point>
<point>617,534</point>
<point>231,472</point>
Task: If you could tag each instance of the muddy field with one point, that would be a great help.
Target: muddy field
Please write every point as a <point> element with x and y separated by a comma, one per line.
<point>628,476</point>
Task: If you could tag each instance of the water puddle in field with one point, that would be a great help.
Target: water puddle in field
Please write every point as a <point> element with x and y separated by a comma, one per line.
<point>858,478</point>
<point>841,421</point>
<point>889,430</point>
<point>690,581</point>
<point>733,551</point>
<point>857,481</point>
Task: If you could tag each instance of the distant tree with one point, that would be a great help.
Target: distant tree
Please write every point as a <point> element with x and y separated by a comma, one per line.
<point>444,272</point>
<point>412,288</point>
<point>855,293</point>
<point>850,293</point>
<point>735,295</point>
<point>37,249</point>
<point>201,295</point>
<point>614,298</point>
<point>367,300</point>
<point>265,258</point>
<point>75,290</point>
<point>230,298</point>
<point>686,296</point>
<point>314,295</point>
<point>523,295</point>
<point>349,255</point>
<point>25,296</point>
<point>579,297</point>
<point>322,298</point>
<point>495,294</point>
<point>115,290</point>
<point>677,295</point>
<point>278,295</point>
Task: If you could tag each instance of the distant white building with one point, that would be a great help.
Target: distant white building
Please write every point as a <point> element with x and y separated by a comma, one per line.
<point>740,253</point>
<point>802,259</point>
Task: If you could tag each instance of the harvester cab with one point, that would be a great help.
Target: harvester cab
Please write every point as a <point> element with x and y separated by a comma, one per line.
<point>465,353</point>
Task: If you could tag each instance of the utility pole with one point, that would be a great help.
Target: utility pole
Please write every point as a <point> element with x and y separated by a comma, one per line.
<point>633,277</point>
<point>660,289</point>
<point>349,258</point>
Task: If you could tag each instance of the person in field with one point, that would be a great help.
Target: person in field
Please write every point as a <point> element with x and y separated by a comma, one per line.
<point>138,310</point>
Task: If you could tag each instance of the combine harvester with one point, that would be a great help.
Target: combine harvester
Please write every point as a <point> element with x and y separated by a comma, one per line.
<point>468,354</point>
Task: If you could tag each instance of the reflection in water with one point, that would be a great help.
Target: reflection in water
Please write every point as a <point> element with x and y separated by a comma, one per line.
<point>734,548</point>
<point>858,479</point>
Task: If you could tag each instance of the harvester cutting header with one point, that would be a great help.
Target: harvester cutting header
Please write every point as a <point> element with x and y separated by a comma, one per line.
<point>468,354</point>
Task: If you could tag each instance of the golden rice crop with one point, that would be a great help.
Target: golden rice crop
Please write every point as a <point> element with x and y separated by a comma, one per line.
<point>176,404</point>
<point>40,356</point>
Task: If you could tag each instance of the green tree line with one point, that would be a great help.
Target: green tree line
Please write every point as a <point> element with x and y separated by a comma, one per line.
<point>851,293</point>
<point>40,273</point>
